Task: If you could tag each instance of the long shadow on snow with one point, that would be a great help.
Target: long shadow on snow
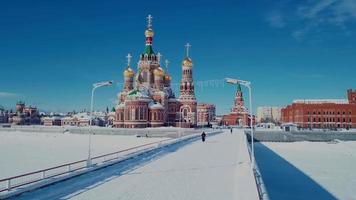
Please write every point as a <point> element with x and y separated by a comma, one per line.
<point>283,180</point>
<point>79,184</point>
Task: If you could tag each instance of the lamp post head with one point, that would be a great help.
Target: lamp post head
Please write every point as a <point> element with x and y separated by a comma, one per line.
<point>231,81</point>
<point>102,84</point>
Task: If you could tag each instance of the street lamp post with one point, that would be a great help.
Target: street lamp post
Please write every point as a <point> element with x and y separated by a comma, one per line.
<point>248,85</point>
<point>95,86</point>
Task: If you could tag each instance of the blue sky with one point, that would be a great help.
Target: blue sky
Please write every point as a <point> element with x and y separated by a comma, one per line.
<point>52,51</point>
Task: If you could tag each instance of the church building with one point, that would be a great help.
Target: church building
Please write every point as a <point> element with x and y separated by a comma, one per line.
<point>147,99</point>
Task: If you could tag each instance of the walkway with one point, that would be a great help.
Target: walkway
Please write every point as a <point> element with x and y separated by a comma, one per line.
<point>216,169</point>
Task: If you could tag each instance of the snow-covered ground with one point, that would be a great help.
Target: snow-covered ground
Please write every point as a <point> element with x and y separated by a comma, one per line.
<point>216,169</point>
<point>23,152</point>
<point>308,170</point>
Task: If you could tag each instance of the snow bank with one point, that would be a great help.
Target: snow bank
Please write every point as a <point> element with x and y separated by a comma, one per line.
<point>23,152</point>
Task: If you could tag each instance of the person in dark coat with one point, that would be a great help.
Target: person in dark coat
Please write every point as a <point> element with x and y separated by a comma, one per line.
<point>231,130</point>
<point>203,135</point>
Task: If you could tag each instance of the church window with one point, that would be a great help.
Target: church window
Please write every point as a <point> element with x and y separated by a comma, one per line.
<point>185,112</point>
<point>141,113</point>
<point>133,114</point>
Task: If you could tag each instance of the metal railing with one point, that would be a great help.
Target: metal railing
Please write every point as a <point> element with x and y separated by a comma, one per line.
<point>261,189</point>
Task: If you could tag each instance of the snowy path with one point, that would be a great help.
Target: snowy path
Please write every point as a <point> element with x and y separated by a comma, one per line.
<point>216,169</point>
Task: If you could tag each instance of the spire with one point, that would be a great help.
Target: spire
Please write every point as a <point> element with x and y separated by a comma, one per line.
<point>239,87</point>
<point>149,35</point>
<point>187,46</point>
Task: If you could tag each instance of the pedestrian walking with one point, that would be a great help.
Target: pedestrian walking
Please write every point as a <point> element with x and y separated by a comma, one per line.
<point>203,135</point>
<point>231,130</point>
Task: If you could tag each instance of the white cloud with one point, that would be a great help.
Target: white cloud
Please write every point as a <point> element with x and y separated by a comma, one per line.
<point>314,16</point>
<point>275,20</point>
<point>7,95</point>
<point>328,12</point>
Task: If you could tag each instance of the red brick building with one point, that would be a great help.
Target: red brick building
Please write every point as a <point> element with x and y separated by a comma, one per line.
<point>340,113</point>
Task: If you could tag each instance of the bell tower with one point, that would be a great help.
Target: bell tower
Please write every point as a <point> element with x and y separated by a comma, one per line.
<point>188,108</point>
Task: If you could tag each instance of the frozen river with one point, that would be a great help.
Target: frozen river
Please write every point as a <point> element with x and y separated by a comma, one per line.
<point>308,170</point>
<point>23,152</point>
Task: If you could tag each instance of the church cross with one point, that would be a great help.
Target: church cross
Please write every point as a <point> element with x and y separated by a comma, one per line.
<point>149,21</point>
<point>187,46</point>
<point>128,59</point>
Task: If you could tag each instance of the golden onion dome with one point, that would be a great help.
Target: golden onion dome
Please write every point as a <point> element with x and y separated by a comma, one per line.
<point>129,73</point>
<point>149,33</point>
<point>187,62</point>
<point>158,72</point>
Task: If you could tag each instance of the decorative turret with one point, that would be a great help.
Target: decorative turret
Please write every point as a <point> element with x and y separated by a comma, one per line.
<point>187,84</point>
<point>188,107</point>
<point>128,75</point>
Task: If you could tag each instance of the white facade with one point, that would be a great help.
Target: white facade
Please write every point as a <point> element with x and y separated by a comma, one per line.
<point>268,113</point>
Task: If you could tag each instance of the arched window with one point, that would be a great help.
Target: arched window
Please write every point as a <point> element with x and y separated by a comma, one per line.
<point>185,112</point>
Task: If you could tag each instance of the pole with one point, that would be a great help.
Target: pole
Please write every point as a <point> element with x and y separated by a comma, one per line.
<point>90,124</point>
<point>251,125</point>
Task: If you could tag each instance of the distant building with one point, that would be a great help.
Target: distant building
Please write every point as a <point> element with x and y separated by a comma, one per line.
<point>206,114</point>
<point>83,119</point>
<point>325,113</point>
<point>239,114</point>
<point>268,114</point>
<point>52,121</point>
<point>25,115</point>
<point>4,115</point>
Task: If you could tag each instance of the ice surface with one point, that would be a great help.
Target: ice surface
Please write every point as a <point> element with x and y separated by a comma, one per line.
<point>308,170</point>
<point>23,152</point>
